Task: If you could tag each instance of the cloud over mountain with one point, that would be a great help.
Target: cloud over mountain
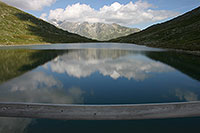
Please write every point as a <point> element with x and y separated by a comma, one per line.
<point>128,14</point>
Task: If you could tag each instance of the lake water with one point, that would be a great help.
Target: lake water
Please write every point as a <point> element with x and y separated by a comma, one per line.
<point>96,74</point>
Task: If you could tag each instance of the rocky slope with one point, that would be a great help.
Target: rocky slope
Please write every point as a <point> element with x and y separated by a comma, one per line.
<point>99,31</point>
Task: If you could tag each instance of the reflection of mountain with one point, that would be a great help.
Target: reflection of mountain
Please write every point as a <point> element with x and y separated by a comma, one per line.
<point>113,63</point>
<point>38,87</point>
<point>188,64</point>
<point>16,62</point>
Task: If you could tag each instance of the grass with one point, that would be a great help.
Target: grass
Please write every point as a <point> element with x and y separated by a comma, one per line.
<point>182,32</point>
<point>18,27</point>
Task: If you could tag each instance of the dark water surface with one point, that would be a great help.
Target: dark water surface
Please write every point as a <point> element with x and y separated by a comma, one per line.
<point>97,74</point>
<point>20,125</point>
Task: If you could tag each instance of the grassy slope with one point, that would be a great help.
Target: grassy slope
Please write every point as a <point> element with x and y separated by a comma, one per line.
<point>18,27</point>
<point>182,32</point>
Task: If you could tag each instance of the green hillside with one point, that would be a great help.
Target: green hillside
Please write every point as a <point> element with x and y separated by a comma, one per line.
<point>18,27</point>
<point>182,32</point>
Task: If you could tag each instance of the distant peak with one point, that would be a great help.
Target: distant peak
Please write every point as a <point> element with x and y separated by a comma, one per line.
<point>98,30</point>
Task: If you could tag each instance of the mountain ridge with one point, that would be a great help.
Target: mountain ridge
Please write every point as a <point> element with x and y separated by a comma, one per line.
<point>19,27</point>
<point>182,32</point>
<point>98,31</point>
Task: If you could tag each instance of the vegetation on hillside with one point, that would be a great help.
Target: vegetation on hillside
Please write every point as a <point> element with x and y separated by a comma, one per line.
<point>182,32</point>
<point>18,27</point>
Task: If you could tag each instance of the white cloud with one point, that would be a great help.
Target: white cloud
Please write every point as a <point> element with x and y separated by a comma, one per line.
<point>76,12</point>
<point>129,14</point>
<point>29,4</point>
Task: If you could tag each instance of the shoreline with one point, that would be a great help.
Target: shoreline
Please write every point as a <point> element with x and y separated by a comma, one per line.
<point>24,45</point>
<point>197,53</point>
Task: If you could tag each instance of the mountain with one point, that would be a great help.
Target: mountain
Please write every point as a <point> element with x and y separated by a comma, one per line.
<point>18,27</point>
<point>182,32</point>
<point>99,31</point>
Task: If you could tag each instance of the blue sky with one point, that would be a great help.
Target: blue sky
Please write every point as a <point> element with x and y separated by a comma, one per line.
<point>171,7</point>
<point>176,5</point>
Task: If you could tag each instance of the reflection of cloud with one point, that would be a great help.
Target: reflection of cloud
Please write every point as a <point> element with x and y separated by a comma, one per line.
<point>13,125</point>
<point>36,80</point>
<point>113,63</point>
<point>186,95</point>
<point>38,87</point>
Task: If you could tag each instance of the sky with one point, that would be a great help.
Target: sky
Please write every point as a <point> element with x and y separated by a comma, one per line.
<point>131,13</point>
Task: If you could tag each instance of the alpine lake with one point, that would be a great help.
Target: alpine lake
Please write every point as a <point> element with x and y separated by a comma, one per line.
<point>97,74</point>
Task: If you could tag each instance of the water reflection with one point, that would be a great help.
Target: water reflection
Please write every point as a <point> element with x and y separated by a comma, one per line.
<point>16,62</point>
<point>19,125</point>
<point>186,95</point>
<point>14,125</point>
<point>188,64</point>
<point>113,63</point>
<point>97,76</point>
<point>39,87</point>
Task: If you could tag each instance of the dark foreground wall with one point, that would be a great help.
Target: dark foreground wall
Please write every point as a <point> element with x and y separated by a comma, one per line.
<point>100,112</point>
